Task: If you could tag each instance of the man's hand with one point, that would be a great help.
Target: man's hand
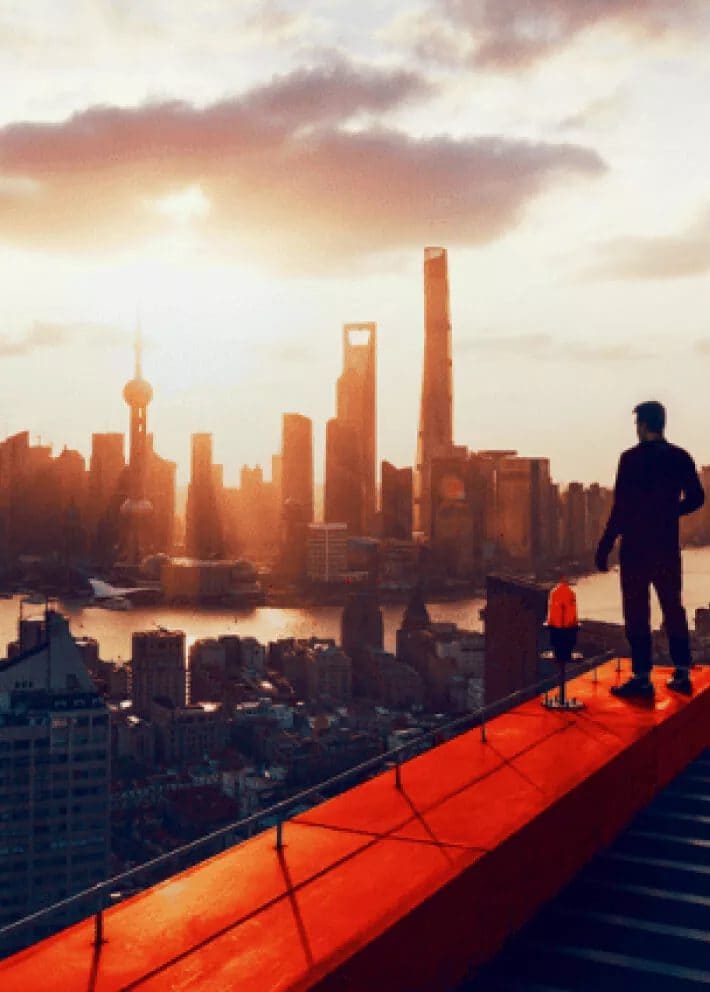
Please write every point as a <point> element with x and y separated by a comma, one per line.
<point>601,557</point>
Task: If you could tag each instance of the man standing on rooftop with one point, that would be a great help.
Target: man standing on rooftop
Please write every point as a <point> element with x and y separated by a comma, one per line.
<point>656,484</point>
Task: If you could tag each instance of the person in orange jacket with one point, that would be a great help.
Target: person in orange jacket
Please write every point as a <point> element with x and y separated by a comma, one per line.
<point>562,620</point>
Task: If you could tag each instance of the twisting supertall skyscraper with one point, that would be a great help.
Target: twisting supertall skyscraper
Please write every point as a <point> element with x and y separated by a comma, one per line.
<point>137,508</point>
<point>435,438</point>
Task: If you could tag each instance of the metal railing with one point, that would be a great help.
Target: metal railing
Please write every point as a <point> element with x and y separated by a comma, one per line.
<point>21,933</point>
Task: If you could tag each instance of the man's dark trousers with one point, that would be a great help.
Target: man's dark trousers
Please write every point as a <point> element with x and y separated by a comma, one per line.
<point>663,571</point>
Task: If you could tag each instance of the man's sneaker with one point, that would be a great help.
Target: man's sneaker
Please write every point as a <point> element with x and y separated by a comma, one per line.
<point>637,687</point>
<point>682,684</point>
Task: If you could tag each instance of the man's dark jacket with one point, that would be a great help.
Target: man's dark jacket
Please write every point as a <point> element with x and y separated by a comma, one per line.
<point>656,484</point>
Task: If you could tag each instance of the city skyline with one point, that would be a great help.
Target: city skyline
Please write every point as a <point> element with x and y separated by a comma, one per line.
<point>234,464</point>
<point>575,286</point>
<point>324,327</point>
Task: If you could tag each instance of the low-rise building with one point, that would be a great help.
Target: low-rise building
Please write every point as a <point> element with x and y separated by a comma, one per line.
<point>191,580</point>
<point>188,733</point>
<point>133,737</point>
<point>158,668</point>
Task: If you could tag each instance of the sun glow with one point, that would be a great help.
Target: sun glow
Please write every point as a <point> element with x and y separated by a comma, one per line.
<point>187,205</point>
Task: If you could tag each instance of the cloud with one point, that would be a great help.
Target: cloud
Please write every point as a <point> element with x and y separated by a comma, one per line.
<point>291,353</point>
<point>550,348</point>
<point>333,93</point>
<point>509,35</point>
<point>302,173</point>
<point>611,353</point>
<point>527,345</point>
<point>210,25</point>
<point>273,23</point>
<point>664,257</point>
<point>597,113</point>
<point>42,334</point>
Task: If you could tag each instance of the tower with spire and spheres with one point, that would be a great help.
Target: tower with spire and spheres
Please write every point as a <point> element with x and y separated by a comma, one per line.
<point>137,509</point>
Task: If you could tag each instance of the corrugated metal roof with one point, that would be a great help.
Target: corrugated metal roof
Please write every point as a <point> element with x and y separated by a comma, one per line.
<point>637,917</point>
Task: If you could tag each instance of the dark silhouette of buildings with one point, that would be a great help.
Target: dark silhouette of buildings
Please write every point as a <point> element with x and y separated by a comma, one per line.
<point>43,502</point>
<point>453,518</point>
<point>297,462</point>
<point>476,510</point>
<point>492,507</point>
<point>257,513</point>
<point>574,521</point>
<point>160,490</point>
<point>694,527</point>
<point>203,533</point>
<point>343,490</point>
<point>524,504</point>
<point>351,436</point>
<point>435,438</point>
<point>361,629</point>
<point>296,492</point>
<point>106,470</point>
<point>397,502</point>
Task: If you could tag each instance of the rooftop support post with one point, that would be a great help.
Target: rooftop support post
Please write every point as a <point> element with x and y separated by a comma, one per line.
<point>99,938</point>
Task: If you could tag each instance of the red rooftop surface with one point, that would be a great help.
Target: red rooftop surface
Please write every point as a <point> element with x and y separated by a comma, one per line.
<point>387,889</point>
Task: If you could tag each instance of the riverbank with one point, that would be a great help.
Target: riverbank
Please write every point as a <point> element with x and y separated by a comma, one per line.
<point>598,597</point>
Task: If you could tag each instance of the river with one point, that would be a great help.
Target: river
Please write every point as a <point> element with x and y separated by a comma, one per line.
<point>597,595</point>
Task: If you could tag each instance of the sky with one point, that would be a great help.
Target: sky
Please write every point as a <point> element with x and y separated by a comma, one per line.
<point>245,176</point>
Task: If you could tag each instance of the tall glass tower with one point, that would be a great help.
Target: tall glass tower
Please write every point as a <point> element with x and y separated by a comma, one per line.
<point>435,438</point>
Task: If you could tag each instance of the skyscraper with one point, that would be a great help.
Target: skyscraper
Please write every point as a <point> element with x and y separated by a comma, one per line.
<point>343,480</point>
<point>453,493</point>
<point>297,463</point>
<point>361,628</point>
<point>106,469</point>
<point>396,502</point>
<point>296,492</point>
<point>106,465</point>
<point>258,513</point>
<point>435,437</point>
<point>137,508</point>
<point>160,490</point>
<point>351,442</point>
<point>524,511</point>
<point>54,775</point>
<point>203,538</point>
<point>575,521</point>
<point>27,496</point>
